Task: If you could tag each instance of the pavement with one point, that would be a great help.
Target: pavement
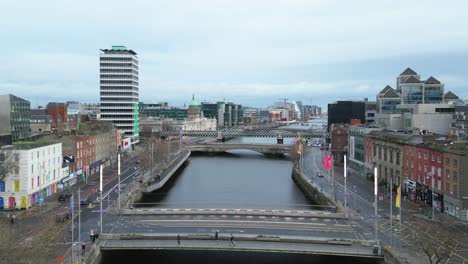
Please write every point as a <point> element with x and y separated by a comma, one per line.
<point>392,233</point>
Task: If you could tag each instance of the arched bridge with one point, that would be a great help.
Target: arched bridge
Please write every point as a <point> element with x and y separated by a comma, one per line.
<point>268,149</point>
<point>235,134</point>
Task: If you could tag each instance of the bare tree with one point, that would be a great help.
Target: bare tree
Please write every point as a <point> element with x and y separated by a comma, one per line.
<point>7,162</point>
<point>436,241</point>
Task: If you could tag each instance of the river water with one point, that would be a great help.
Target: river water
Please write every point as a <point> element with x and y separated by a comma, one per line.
<point>238,179</point>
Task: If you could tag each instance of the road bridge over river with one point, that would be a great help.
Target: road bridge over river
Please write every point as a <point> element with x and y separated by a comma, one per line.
<point>269,149</point>
<point>319,232</point>
<point>237,134</point>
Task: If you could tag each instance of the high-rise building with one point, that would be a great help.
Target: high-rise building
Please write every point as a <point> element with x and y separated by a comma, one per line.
<point>15,115</point>
<point>119,89</point>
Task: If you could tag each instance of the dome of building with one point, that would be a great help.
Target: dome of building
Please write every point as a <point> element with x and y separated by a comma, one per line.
<point>194,102</point>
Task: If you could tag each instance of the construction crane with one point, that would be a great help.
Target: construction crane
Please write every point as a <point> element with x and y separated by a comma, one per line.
<point>285,101</point>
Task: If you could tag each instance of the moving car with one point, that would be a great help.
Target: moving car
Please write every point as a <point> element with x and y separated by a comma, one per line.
<point>65,197</point>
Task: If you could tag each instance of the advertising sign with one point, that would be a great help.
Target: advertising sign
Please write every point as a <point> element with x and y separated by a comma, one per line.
<point>126,143</point>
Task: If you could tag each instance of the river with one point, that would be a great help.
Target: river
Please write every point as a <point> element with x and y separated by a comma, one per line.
<point>238,179</point>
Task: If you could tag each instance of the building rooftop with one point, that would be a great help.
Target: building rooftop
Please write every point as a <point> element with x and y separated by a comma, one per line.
<point>450,95</point>
<point>408,71</point>
<point>26,145</point>
<point>119,50</point>
<point>412,79</point>
<point>432,80</point>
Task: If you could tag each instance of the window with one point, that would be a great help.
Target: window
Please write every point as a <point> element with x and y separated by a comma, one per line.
<point>419,166</point>
<point>447,161</point>
<point>412,164</point>
<point>439,171</point>
<point>2,186</point>
<point>447,174</point>
<point>432,157</point>
<point>439,159</point>
<point>425,168</point>
<point>398,158</point>
<point>425,155</point>
<point>419,154</point>
<point>16,185</point>
<point>32,168</point>
<point>455,175</point>
<point>455,163</point>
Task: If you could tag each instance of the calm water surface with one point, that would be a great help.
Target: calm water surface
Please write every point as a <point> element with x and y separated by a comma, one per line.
<point>239,179</point>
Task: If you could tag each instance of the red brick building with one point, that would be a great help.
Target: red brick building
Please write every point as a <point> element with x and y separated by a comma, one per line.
<point>423,164</point>
<point>58,112</point>
<point>339,142</point>
<point>85,152</point>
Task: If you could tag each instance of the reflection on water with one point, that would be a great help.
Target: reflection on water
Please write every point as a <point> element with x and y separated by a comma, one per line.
<point>225,257</point>
<point>239,179</point>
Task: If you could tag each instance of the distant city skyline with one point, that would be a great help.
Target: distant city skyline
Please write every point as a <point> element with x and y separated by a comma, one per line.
<point>248,52</point>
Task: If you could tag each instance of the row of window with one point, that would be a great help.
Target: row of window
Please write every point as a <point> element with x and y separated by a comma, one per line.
<point>119,93</point>
<point>125,88</point>
<point>118,59</point>
<point>119,71</point>
<point>119,82</point>
<point>116,105</point>
<point>118,99</point>
<point>117,116</point>
<point>118,76</point>
<point>119,65</point>
<point>388,154</point>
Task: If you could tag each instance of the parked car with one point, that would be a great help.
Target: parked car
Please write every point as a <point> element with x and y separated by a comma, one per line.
<point>65,197</point>
<point>85,201</point>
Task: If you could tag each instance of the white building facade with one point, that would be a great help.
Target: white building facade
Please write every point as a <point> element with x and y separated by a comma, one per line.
<point>119,90</point>
<point>36,176</point>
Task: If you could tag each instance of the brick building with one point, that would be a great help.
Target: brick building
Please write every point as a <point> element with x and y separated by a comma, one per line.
<point>58,112</point>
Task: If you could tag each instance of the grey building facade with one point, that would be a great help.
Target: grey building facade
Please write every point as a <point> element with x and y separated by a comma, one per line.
<point>15,116</point>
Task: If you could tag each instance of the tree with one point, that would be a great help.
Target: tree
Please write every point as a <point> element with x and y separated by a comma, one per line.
<point>435,240</point>
<point>7,162</point>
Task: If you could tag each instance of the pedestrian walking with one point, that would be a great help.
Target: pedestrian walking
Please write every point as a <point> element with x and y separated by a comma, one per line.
<point>178,240</point>
<point>216,234</point>
<point>232,241</point>
<point>83,247</point>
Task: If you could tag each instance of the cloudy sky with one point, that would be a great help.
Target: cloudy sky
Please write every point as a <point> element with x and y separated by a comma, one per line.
<point>248,51</point>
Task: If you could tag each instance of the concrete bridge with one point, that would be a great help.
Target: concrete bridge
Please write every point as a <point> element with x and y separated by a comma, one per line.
<point>243,243</point>
<point>236,134</point>
<point>268,149</point>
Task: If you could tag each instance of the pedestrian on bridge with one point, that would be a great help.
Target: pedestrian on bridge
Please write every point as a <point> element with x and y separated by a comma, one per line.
<point>178,240</point>
<point>216,234</point>
<point>232,241</point>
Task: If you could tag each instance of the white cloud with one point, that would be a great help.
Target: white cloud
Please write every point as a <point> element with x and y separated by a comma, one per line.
<point>254,47</point>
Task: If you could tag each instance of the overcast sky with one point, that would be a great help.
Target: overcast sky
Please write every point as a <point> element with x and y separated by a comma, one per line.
<point>248,51</point>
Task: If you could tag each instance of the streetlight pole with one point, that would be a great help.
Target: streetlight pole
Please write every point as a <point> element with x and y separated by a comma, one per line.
<point>345,191</point>
<point>100,199</point>
<point>432,198</point>
<point>375,204</point>
<point>79,216</point>
<point>118,175</point>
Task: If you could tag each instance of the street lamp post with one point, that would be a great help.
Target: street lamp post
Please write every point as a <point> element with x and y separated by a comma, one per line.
<point>118,175</point>
<point>375,204</point>
<point>100,199</point>
<point>345,191</point>
<point>431,175</point>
